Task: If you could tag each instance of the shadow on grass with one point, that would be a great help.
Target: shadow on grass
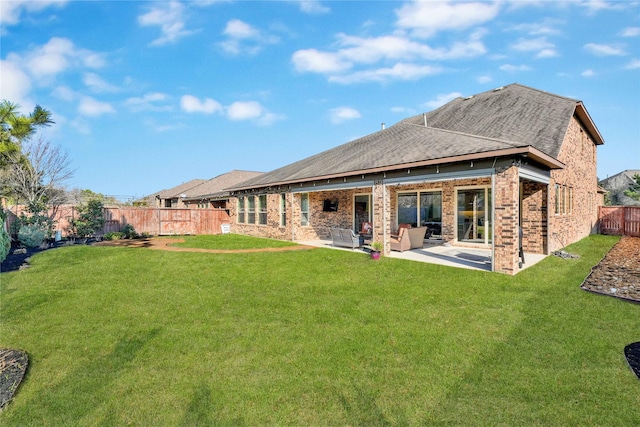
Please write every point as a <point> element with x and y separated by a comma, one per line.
<point>84,389</point>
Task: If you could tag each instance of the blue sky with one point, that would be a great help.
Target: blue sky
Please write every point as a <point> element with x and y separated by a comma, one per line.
<point>148,95</point>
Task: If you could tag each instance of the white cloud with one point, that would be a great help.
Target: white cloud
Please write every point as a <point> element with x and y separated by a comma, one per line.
<point>407,56</point>
<point>170,18</point>
<point>243,38</point>
<point>633,65</point>
<point>244,110</point>
<point>312,60</point>
<point>15,84</point>
<point>57,56</point>
<point>441,100</point>
<point>97,84</point>
<point>588,73</point>
<point>630,32</point>
<point>400,71</point>
<point>91,107</point>
<point>425,19</point>
<point>191,104</point>
<point>342,114</point>
<point>313,7</point>
<point>604,49</point>
<point>240,30</point>
<point>484,79</point>
<point>510,68</point>
<point>541,45</point>
<point>10,11</point>
<point>148,102</point>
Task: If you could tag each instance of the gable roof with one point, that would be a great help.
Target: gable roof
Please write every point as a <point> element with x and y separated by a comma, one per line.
<point>215,187</point>
<point>510,120</point>
<point>177,191</point>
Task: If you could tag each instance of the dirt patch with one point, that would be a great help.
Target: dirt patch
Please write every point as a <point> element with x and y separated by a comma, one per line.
<point>618,274</point>
<point>164,243</point>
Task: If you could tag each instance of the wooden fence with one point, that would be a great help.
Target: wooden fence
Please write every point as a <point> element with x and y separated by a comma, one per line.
<point>619,220</point>
<point>154,221</point>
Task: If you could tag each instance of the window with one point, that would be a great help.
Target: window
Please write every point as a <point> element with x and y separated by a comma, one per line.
<point>304,209</point>
<point>421,209</point>
<point>408,209</point>
<point>251,210</point>
<point>557,201</point>
<point>241,212</point>
<point>283,210</point>
<point>262,209</point>
<point>564,200</point>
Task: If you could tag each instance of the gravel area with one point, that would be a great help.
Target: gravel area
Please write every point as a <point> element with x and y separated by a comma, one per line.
<point>618,274</point>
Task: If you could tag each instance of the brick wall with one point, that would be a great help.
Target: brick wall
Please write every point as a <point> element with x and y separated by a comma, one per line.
<point>506,235</point>
<point>578,153</point>
<point>534,217</point>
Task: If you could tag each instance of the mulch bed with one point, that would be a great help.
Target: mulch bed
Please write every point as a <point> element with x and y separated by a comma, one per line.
<point>617,275</point>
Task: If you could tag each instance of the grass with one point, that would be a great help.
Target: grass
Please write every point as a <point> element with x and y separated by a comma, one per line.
<point>231,242</point>
<point>322,337</point>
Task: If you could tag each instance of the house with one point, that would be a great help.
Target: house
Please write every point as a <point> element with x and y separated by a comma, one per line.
<point>490,170</point>
<point>212,193</point>
<point>172,197</point>
<point>616,186</point>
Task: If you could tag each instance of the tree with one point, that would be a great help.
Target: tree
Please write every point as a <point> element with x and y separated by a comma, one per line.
<point>634,189</point>
<point>16,128</point>
<point>90,219</point>
<point>41,178</point>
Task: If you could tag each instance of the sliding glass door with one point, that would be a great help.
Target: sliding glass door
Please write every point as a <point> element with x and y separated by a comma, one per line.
<point>362,211</point>
<point>421,209</point>
<point>474,215</point>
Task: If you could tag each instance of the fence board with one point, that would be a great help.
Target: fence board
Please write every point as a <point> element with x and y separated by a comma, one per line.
<point>619,220</point>
<point>154,221</point>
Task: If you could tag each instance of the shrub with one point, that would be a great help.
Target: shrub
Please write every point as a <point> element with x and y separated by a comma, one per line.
<point>113,235</point>
<point>5,238</point>
<point>128,232</point>
<point>90,219</point>
<point>37,217</point>
<point>31,236</point>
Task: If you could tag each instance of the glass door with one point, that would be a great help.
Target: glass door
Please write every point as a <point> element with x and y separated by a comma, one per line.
<point>362,211</point>
<point>474,215</point>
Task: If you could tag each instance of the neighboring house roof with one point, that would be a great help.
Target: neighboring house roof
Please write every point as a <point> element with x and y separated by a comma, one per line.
<point>617,184</point>
<point>514,119</point>
<point>215,187</point>
<point>179,190</point>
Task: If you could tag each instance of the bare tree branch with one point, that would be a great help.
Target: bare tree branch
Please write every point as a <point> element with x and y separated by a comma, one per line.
<point>43,177</point>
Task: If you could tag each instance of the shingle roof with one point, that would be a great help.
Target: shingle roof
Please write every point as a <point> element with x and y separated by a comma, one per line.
<point>514,116</point>
<point>215,187</point>
<point>180,189</point>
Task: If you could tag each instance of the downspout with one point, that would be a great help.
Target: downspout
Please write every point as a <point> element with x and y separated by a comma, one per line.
<point>493,215</point>
<point>384,216</point>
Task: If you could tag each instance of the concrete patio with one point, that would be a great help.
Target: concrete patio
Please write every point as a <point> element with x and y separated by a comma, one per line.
<point>441,254</point>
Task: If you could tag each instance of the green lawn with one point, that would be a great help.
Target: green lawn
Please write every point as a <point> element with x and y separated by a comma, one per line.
<point>322,337</point>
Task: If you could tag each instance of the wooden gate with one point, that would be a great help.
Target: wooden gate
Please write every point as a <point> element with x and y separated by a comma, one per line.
<point>619,220</point>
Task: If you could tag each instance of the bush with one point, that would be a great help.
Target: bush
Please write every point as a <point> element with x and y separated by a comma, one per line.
<point>113,235</point>
<point>5,238</point>
<point>37,218</point>
<point>31,236</point>
<point>90,219</point>
<point>128,232</point>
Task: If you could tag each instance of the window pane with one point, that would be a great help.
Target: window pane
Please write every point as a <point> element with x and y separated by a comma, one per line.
<point>251,211</point>
<point>408,209</point>
<point>283,210</point>
<point>472,224</point>
<point>304,209</point>
<point>431,212</point>
<point>262,216</point>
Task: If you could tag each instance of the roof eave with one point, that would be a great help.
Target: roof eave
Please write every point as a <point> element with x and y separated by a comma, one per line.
<point>526,151</point>
<point>588,123</point>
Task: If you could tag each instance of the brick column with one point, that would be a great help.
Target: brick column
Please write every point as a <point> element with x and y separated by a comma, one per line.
<point>505,238</point>
<point>381,214</point>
